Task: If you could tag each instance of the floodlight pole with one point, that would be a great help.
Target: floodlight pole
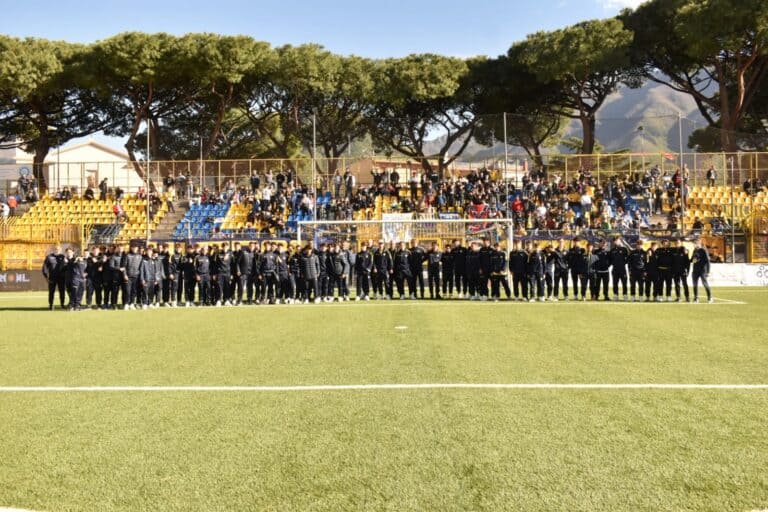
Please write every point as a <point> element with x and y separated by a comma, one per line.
<point>733,214</point>
<point>506,175</point>
<point>314,163</point>
<point>148,172</point>
<point>682,173</point>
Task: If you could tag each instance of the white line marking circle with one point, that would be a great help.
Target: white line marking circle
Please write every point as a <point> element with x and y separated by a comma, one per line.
<point>401,327</point>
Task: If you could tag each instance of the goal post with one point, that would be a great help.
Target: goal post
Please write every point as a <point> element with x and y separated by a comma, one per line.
<point>426,231</point>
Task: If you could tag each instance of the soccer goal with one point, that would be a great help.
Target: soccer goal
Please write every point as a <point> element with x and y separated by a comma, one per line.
<point>442,231</point>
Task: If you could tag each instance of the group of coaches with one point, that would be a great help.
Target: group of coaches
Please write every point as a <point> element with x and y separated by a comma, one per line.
<point>251,274</point>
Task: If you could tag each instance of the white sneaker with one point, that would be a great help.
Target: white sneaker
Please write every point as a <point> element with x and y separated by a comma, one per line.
<point>402,297</point>
<point>357,299</point>
<point>341,299</point>
<point>626,298</point>
<point>127,307</point>
<point>531,300</point>
<point>695,301</point>
<point>366,298</point>
<point>554,299</point>
<point>483,298</point>
<point>317,300</point>
<point>615,297</point>
<point>710,301</point>
<point>144,307</point>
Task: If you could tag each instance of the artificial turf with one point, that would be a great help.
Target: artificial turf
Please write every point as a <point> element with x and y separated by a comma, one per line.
<point>394,449</point>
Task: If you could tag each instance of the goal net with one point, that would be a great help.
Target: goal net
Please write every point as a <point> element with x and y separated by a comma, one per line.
<point>405,228</point>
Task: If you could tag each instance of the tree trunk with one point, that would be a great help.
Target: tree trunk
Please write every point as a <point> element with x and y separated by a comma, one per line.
<point>588,134</point>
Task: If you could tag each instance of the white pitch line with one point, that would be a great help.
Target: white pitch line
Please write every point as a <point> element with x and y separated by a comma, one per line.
<point>373,387</point>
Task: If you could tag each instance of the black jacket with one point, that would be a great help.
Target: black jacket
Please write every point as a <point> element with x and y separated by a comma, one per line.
<point>418,257</point>
<point>364,262</point>
<point>433,260</point>
<point>619,258</point>
<point>681,263</point>
<point>202,265</point>
<point>310,266</point>
<point>402,263</point>
<point>382,261</point>
<point>603,260</point>
<point>637,261</point>
<point>664,258</point>
<point>518,262</point>
<point>701,262</point>
<point>498,262</point>
<point>535,265</point>
<point>577,260</point>
<point>459,259</point>
<point>446,260</point>
<point>560,260</point>
<point>53,267</point>
<point>132,264</point>
<point>75,271</point>
<point>243,262</point>
<point>472,263</point>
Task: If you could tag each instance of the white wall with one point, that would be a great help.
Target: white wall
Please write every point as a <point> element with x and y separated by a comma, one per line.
<point>90,164</point>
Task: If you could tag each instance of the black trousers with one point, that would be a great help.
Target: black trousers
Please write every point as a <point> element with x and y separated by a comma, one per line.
<point>225,287</point>
<point>448,282</point>
<point>536,283</point>
<point>474,284</point>
<point>561,276</point>
<point>323,285</point>
<point>380,283</point>
<point>602,282</point>
<point>520,285</point>
<point>594,287</point>
<point>147,293</point>
<point>681,279</point>
<point>76,289</point>
<point>433,278</point>
<point>363,283</point>
<point>240,284</point>
<point>585,280</point>
<point>269,287</point>
<point>636,281</point>
<point>620,278</point>
<point>94,287</point>
<point>189,289</point>
<point>310,289</point>
<point>460,278</point>
<point>577,279</point>
<point>131,291</point>
<point>496,282</point>
<point>549,283</point>
<point>400,280</point>
<point>417,277</point>
<point>703,277</point>
<point>54,284</point>
<point>665,282</point>
<point>172,289</point>
<point>651,286</point>
<point>253,287</point>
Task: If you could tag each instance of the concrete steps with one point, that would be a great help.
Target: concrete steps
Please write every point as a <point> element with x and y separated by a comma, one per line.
<point>168,225</point>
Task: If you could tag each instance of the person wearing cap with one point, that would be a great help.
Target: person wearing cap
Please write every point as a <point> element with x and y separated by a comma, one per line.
<point>498,270</point>
<point>681,264</point>
<point>560,257</point>
<point>434,256</point>
<point>535,270</point>
<point>619,256</point>
<point>577,264</point>
<point>637,262</point>
<point>402,264</point>
<point>701,265</point>
<point>603,267</point>
<point>382,272</point>
<point>518,263</point>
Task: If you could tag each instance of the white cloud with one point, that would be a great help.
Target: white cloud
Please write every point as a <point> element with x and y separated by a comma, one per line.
<point>620,4</point>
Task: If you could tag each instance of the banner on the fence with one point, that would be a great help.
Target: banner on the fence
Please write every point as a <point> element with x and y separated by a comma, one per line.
<point>392,230</point>
<point>738,274</point>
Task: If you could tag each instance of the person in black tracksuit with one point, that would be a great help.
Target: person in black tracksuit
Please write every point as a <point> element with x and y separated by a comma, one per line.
<point>363,269</point>
<point>132,267</point>
<point>460,268</point>
<point>535,270</point>
<point>190,277</point>
<point>255,284</point>
<point>619,256</point>
<point>603,267</point>
<point>549,271</point>
<point>382,272</point>
<point>681,264</point>
<point>310,271</point>
<point>243,260</point>
<point>499,273</point>
<point>701,267</point>
<point>576,257</point>
<point>560,255</point>
<point>96,262</point>
<point>224,263</point>
<point>268,274</point>
<point>147,278</point>
<point>434,256</point>
<point>53,271</point>
<point>418,257</point>
<point>446,264</point>
<point>485,267</point>
<point>295,282</point>
<point>174,276</point>
<point>637,262</point>
<point>116,276</point>
<point>518,263</point>
<point>203,276</point>
<point>652,279</point>
<point>402,265</point>
<point>664,257</point>
<point>213,258</point>
<point>592,260</point>
<point>75,275</point>
<point>579,262</point>
<point>323,276</point>
<point>283,276</point>
<point>473,270</point>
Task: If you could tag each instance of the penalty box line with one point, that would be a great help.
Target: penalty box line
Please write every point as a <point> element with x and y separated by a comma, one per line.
<point>378,387</point>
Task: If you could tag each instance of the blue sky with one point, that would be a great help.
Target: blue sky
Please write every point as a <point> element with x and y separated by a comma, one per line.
<point>384,28</point>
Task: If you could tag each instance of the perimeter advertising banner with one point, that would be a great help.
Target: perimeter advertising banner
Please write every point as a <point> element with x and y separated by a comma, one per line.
<point>738,274</point>
<point>22,281</point>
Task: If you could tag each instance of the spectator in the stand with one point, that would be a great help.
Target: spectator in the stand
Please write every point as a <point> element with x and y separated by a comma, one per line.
<point>336,184</point>
<point>103,189</point>
<point>12,205</point>
<point>711,176</point>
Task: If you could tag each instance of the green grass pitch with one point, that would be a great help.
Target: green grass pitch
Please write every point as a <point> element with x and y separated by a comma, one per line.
<point>387,449</point>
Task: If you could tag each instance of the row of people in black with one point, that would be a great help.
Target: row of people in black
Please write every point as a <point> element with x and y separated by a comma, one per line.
<point>250,274</point>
